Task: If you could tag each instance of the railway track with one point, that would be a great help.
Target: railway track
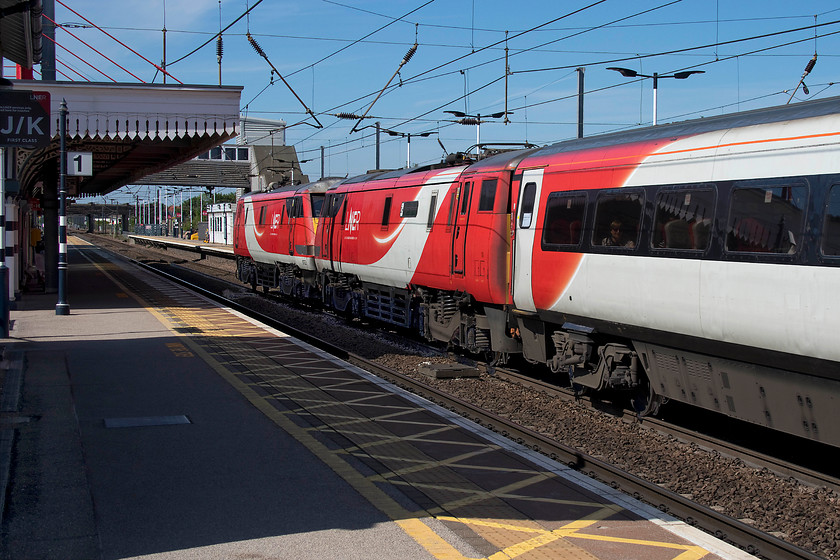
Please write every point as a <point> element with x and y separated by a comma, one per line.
<point>749,456</point>
<point>743,533</point>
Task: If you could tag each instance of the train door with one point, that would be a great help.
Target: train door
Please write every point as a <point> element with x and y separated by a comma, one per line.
<point>292,203</point>
<point>330,225</point>
<point>527,214</point>
<point>459,232</point>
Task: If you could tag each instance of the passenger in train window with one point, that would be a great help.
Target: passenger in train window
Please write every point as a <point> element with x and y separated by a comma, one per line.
<point>616,237</point>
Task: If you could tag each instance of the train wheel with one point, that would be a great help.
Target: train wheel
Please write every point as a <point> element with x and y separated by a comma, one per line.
<point>645,401</point>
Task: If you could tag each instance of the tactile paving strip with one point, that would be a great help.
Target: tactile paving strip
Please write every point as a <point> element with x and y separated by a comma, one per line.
<point>500,505</point>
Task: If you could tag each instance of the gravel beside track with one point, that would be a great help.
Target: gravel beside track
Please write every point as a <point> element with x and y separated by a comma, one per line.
<point>803,515</point>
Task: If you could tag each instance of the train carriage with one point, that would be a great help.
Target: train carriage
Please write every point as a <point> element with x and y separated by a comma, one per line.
<point>695,262</point>
<point>423,248</point>
<point>274,237</point>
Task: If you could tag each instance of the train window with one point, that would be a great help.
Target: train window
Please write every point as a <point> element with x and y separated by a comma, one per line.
<point>529,193</point>
<point>831,226</point>
<point>453,203</point>
<point>432,206</point>
<point>317,201</point>
<point>386,212</point>
<point>297,207</point>
<point>408,209</point>
<point>487,198</point>
<point>333,203</point>
<point>262,216</point>
<point>617,219</point>
<point>564,213</point>
<point>465,198</point>
<point>766,218</point>
<point>683,218</point>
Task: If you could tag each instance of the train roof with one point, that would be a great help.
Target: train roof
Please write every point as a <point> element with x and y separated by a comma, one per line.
<point>389,178</point>
<point>319,186</point>
<point>783,113</point>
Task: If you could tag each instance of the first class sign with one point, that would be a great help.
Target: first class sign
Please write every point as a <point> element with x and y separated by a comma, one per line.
<point>24,119</point>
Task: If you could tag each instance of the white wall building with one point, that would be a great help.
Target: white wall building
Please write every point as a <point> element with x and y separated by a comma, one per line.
<point>220,223</point>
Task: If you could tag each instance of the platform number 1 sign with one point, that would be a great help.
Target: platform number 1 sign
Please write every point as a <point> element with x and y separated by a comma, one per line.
<point>80,163</point>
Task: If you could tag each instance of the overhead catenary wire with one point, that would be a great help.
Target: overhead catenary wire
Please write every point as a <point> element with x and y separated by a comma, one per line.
<point>210,40</point>
<point>719,60</point>
<point>59,26</point>
<point>345,48</point>
<point>260,52</point>
<point>118,41</point>
<point>80,58</point>
<point>403,62</point>
<point>415,79</point>
<point>687,49</point>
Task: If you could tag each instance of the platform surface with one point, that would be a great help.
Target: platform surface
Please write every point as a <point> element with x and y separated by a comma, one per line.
<point>152,423</point>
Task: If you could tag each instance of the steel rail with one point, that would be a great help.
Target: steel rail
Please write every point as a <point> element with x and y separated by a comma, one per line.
<point>748,456</point>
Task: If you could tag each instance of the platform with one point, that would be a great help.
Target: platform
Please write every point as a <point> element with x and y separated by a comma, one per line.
<point>192,245</point>
<point>153,423</point>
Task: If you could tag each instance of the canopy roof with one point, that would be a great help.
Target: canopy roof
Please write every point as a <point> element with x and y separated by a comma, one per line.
<point>132,130</point>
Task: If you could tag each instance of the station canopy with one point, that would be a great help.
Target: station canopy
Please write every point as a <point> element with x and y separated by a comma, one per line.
<point>131,130</point>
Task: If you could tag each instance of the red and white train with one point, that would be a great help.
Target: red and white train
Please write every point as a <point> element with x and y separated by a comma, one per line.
<point>696,261</point>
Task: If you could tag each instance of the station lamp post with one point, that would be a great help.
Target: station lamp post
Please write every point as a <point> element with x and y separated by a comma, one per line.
<point>628,73</point>
<point>407,136</point>
<point>466,119</point>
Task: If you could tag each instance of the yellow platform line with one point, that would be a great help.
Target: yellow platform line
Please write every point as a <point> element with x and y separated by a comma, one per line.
<point>409,522</point>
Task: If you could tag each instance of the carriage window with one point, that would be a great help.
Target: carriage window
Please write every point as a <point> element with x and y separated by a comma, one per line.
<point>683,218</point>
<point>766,219</point>
<point>386,212</point>
<point>465,198</point>
<point>332,205</point>
<point>617,219</point>
<point>563,223</point>
<point>526,212</point>
<point>453,201</point>
<point>487,198</point>
<point>298,207</point>
<point>409,209</point>
<point>831,227</point>
<point>432,206</point>
<point>317,201</point>
<point>262,216</point>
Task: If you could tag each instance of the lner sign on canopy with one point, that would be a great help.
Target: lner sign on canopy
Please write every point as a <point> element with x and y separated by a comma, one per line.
<point>24,119</point>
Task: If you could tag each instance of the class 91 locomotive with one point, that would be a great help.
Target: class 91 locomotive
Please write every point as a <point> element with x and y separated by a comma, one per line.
<point>695,261</point>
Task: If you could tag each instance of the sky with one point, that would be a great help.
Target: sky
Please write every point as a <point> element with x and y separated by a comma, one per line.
<point>338,56</point>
